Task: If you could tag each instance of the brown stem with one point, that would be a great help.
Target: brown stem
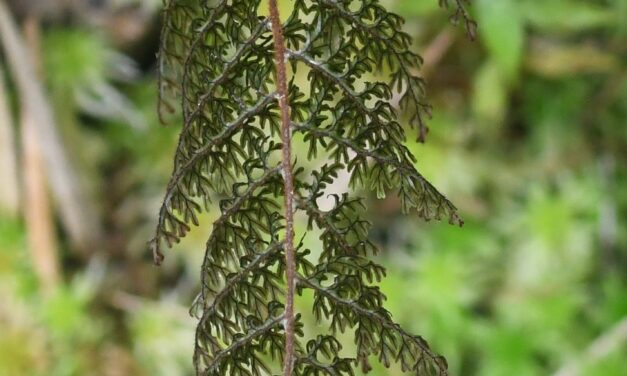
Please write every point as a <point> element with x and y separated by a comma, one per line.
<point>9,188</point>
<point>290,264</point>
<point>39,219</point>
<point>77,211</point>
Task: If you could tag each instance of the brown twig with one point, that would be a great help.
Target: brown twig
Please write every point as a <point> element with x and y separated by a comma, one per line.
<point>9,188</point>
<point>436,50</point>
<point>37,209</point>
<point>77,213</point>
<point>290,264</point>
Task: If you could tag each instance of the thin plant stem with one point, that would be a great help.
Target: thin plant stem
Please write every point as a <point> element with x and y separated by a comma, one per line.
<point>288,184</point>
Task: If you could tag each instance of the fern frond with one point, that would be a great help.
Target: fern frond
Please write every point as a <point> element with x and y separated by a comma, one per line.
<point>375,332</point>
<point>461,13</point>
<point>217,58</point>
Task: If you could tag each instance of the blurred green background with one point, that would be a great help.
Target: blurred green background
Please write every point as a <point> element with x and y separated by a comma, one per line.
<point>528,139</point>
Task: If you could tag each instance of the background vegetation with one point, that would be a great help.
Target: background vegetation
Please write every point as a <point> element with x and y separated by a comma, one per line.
<point>528,139</point>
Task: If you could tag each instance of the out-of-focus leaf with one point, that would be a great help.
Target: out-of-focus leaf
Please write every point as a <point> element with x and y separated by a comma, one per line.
<point>74,58</point>
<point>160,336</point>
<point>614,364</point>
<point>615,294</point>
<point>556,61</point>
<point>502,31</point>
<point>416,8</point>
<point>22,348</point>
<point>620,8</point>
<point>104,101</point>
<point>83,63</point>
<point>509,348</point>
<point>489,100</point>
<point>66,314</point>
<point>567,15</point>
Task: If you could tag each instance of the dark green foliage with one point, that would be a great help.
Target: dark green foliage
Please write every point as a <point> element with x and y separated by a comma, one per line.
<point>217,56</point>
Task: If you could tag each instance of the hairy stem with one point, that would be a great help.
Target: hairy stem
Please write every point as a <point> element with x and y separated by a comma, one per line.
<point>290,264</point>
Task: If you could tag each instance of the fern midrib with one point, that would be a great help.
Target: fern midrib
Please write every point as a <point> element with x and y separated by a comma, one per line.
<point>288,180</point>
